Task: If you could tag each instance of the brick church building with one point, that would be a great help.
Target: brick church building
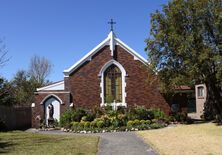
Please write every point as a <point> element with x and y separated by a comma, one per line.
<point>112,72</point>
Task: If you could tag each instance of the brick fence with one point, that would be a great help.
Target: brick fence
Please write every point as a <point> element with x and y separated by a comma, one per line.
<point>16,117</point>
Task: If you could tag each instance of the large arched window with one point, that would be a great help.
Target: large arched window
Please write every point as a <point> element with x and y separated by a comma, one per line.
<point>112,84</point>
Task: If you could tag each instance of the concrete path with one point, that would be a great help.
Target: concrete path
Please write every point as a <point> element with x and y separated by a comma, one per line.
<point>123,143</point>
<point>118,143</point>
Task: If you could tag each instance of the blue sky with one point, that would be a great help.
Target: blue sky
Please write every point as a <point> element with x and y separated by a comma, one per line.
<point>63,31</point>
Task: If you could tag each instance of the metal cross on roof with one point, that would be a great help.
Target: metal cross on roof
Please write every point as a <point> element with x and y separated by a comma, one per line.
<point>111,24</point>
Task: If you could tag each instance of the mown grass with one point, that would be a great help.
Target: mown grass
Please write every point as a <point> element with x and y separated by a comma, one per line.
<point>199,139</point>
<point>23,143</point>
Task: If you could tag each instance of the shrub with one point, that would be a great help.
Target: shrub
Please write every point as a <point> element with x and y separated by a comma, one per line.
<point>97,111</point>
<point>86,124</point>
<point>100,124</point>
<point>84,118</point>
<point>180,117</point>
<point>112,113</point>
<point>72,115</point>
<point>136,122</point>
<point>77,114</point>
<point>122,118</point>
<point>130,124</point>
<point>66,118</point>
<point>81,124</point>
<point>115,122</point>
<point>106,120</point>
<point>142,127</point>
<point>147,122</point>
<point>75,124</point>
<point>156,126</point>
<point>158,114</point>
<point>140,113</point>
<point>121,110</point>
<point>142,122</point>
<point>131,114</point>
<point>93,124</point>
<point>154,120</point>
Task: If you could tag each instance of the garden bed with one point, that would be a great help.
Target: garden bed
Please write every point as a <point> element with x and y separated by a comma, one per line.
<point>99,120</point>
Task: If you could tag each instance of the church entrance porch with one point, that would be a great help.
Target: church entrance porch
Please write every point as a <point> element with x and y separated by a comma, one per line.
<point>52,110</point>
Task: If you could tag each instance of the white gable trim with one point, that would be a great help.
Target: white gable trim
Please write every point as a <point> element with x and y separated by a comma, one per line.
<point>131,51</point>
<point>54,86</point>
<point>101,74</point>
<point>49,96</point>
<point>112,41</point>
<point>87,57</point>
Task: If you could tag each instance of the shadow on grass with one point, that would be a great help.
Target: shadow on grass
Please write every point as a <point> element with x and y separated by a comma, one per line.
<point>5,146</point>
<point>200,121</point>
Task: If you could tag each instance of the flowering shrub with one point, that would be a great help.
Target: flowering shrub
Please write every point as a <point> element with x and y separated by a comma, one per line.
<point>138,118</point>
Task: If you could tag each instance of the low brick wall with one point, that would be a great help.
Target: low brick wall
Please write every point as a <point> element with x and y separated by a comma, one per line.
<point>16,117</point>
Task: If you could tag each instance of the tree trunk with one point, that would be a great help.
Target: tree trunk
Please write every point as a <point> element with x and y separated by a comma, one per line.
<point>213,104</point>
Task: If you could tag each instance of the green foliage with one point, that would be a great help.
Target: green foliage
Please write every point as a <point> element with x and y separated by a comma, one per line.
<point>75,124</point>
<point>180,117</point>
<point>156,126</point>
<point>142,122</point>
<point>185,47</point>
<point>72,115</point>
<point>86,124</point>
<point>97,111</point>
<point>88,117</point>
<point>23,88</point>
<point>147,122</point>
<point>158,114</point>
<point>136,122</point>
<point>142,113</point>
<point>130,124</point>
<point>93,124</point>
<point>106,120</point>
<point>100,124</point>
<point>82,124</point>
<point>110,120</point>
<point>6,97</point>
<point>66,118</point>
<point>77,114</point>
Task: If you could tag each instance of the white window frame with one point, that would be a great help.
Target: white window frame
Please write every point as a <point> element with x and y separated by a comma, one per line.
<point>101,75</point>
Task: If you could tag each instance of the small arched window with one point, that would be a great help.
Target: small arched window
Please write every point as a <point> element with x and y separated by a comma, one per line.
<point>113,84</point>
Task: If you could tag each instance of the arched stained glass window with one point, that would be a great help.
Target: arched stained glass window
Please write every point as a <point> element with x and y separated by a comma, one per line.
<point>113,84</point>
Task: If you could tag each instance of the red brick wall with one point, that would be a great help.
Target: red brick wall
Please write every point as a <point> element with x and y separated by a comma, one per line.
<point>84,83</point>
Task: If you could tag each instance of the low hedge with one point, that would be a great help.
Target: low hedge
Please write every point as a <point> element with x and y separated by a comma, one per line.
<point>98,125</point>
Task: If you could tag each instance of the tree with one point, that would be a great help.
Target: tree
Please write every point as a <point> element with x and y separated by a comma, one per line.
<point>3,53</point>
<point>25,83</point>
<point>185,47</point>
<point>23,88</point>
<point>6,97</point>
<point>39,69</point>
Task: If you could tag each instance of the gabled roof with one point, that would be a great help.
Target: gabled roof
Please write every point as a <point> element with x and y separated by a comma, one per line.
<point>111,40</point>
<point>54,86</point>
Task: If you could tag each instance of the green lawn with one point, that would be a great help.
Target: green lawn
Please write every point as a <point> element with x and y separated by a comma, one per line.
<point>34,143</point>
<point>198,139</point>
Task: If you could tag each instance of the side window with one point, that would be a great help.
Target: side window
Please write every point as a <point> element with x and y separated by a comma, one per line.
<point>200,91</point>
